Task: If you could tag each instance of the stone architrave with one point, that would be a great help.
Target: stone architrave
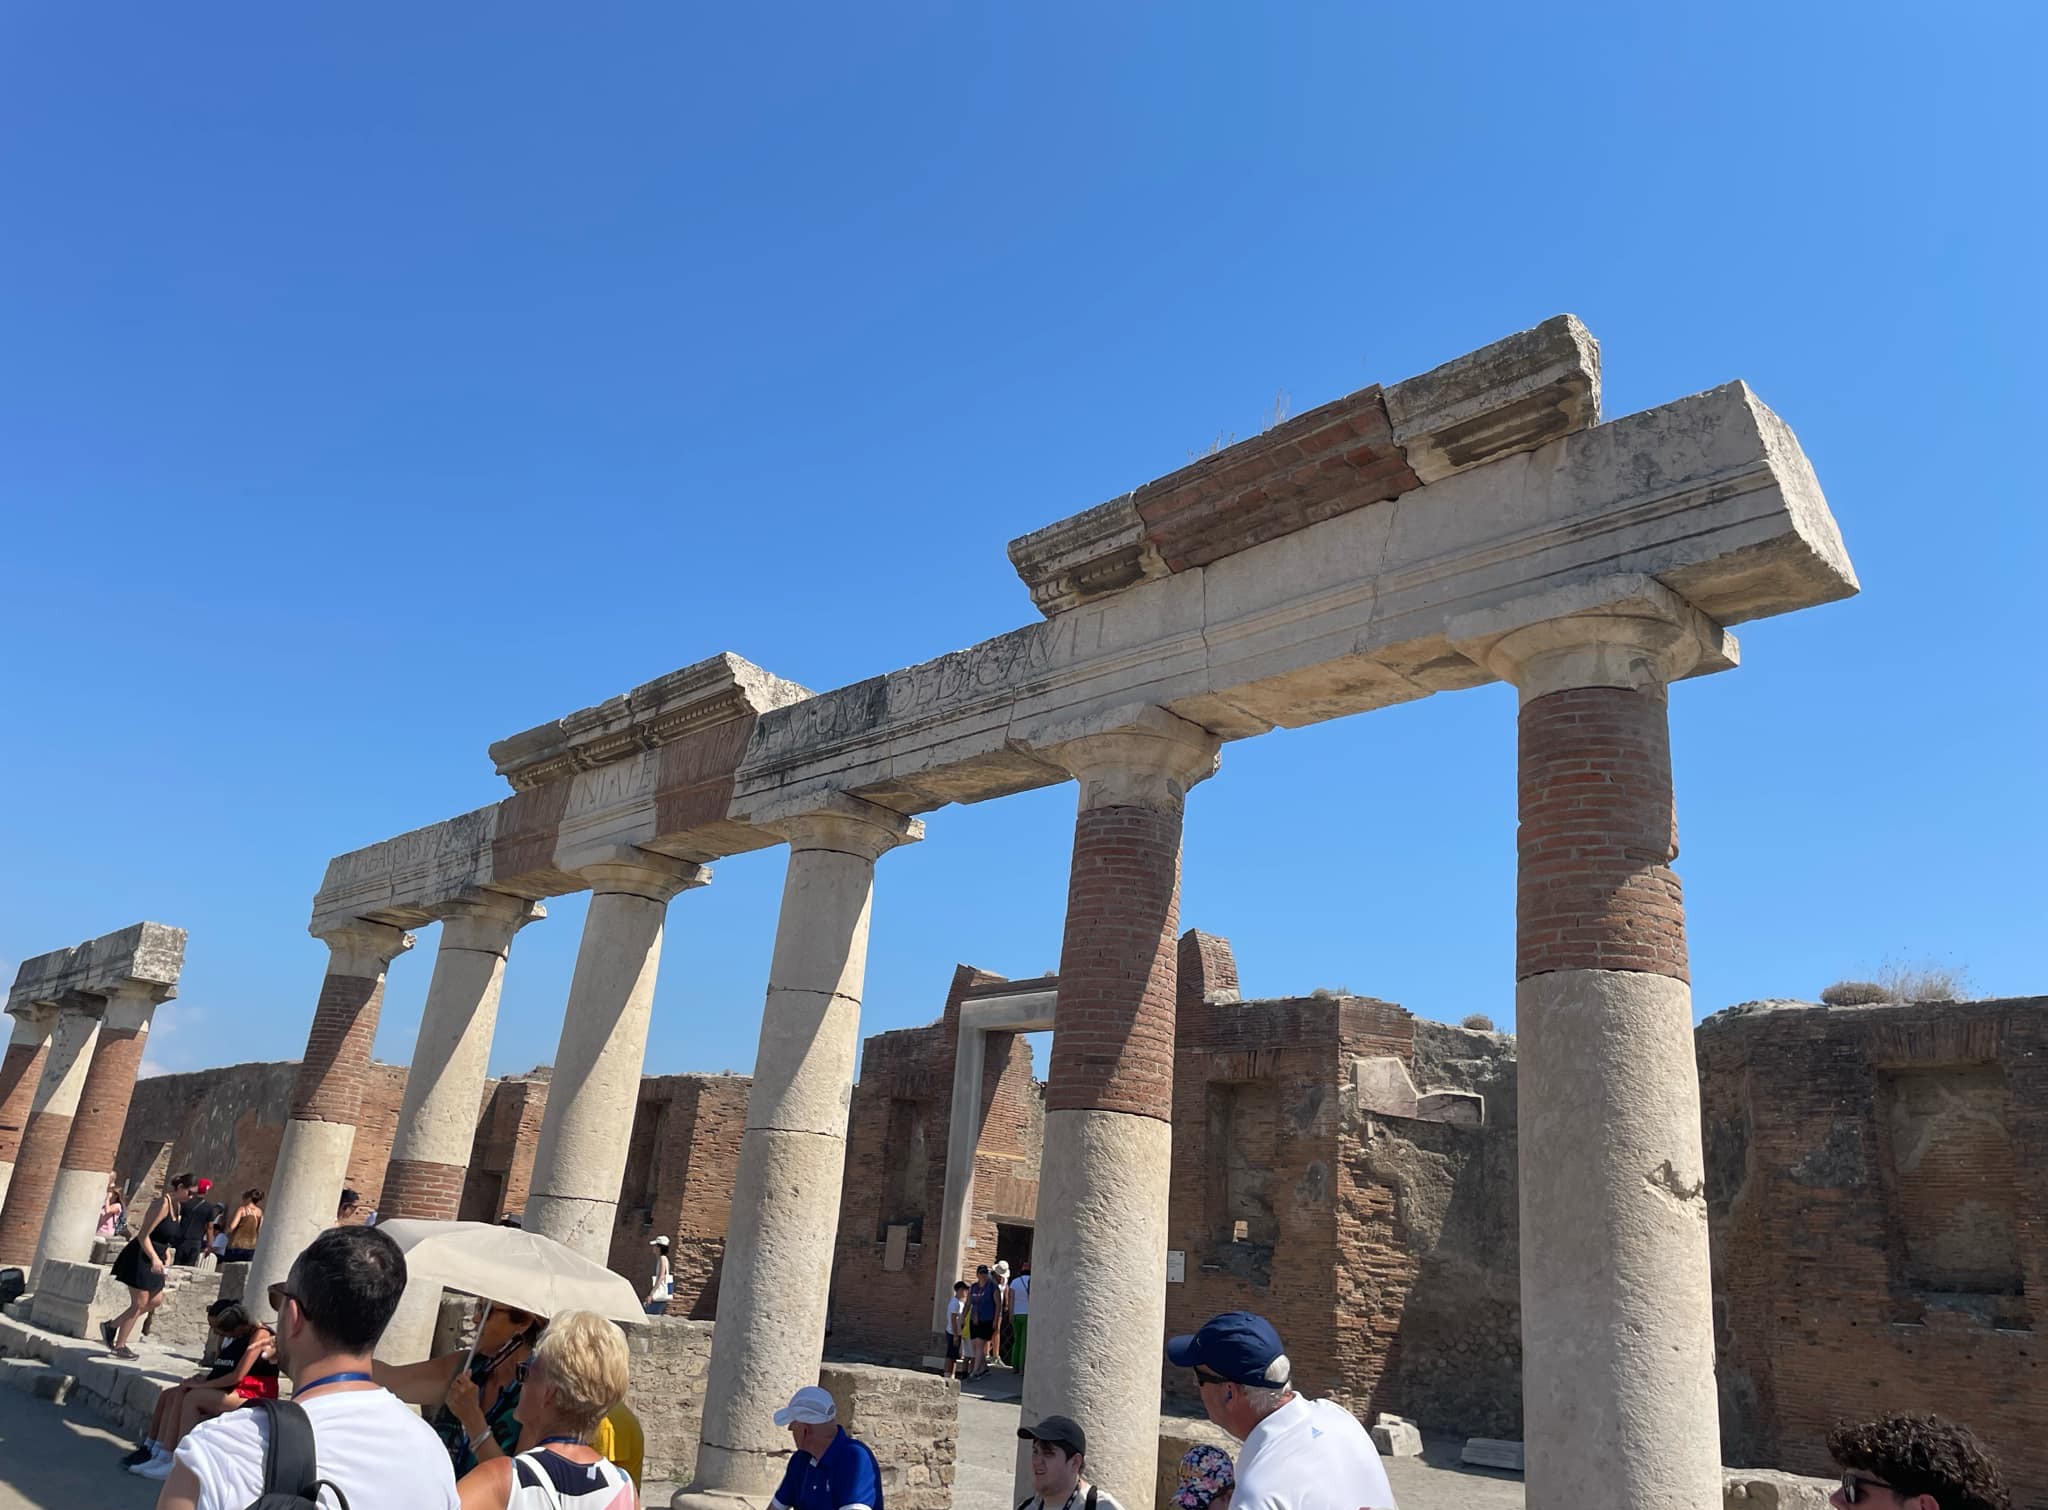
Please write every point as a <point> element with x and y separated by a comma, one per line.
<point>437,1120</point>
<point>21,1071</point>
<point>88,1161</point>
<point>48,1126</point>
<point>1099,1253</point>
<point>777,1272</point>
<point>1619,1400</point>
<point>595,1088</point>
<point>327,1096</point>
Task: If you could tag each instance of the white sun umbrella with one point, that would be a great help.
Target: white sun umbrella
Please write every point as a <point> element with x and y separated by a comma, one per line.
<point>510,1266</point>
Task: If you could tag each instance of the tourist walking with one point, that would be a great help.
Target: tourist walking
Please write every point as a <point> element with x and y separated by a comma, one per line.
<point>244,1369</point>
<point>829,1470</point>
<point>956,1326</point>
<point>243,1228</point>
<point>1299,1454</point>
<point>141,1264</point>
<point>1902,1462</point>
<point>999,1347</point>
<point>981,1321</point>
<point>663,1286</point>
<point>577,1374</point>
<point>196,1223</point>
<point>1020,1315</point>
<point>331,1309</point>
<point>1059,1468</point>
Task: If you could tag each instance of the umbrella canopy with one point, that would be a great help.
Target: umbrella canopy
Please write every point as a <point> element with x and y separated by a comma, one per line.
<point>512,1267</point>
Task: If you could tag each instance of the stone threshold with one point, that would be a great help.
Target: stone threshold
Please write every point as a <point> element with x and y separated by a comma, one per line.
<point>70,1370</point>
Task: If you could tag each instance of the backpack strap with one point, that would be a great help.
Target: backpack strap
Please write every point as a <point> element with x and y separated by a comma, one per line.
<point>1090,1504</point>
<point>291,1466</point>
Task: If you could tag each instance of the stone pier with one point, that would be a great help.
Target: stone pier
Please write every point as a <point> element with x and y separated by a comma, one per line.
<point>1619,1404</point>
<point>80,1014</point>
<point>312,1159</point>
<point>1099,1254</point>
<point>785,1208</point>
<point>437,1121</point>
<point>595,1088</point>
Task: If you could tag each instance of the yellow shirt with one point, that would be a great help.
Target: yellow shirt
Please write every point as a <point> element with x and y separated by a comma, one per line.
<point>619,1438</point>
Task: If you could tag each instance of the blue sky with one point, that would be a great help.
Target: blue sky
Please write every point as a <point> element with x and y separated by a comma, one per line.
<point>376,382</point>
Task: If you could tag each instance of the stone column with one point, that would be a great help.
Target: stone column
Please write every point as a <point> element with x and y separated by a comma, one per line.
<point>595,1088</point>
<point>88,1161</point>
<point>327,1095</point>
<point>963,1137</point>
<point>49,1126</point>
<point>1618,1392</point>
<point>777,1271</point>
<point>445,1086</point>
<point>1098,1259</point>
<point>21,1070</point>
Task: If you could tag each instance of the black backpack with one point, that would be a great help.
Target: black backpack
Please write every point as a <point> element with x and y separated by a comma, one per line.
<point>291,1469</point>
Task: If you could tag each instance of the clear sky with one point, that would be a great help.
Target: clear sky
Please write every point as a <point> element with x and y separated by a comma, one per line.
<point>378,381</point>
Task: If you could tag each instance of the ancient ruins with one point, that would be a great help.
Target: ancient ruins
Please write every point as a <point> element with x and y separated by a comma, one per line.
<point>1477,523</point>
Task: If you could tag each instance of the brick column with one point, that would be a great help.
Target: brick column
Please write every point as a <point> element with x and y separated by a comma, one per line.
<point>437,1120</point>
<point>21,1070</point>
<point>327,1094</point>
<point>88,1162</point>
<point>48,1126</point>
<point>777,1272</point>
<point>1619,1406</point>
<point>1098,1258</point>
<point>595,1087</point>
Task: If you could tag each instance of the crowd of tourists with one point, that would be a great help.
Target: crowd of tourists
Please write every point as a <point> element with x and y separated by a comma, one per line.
<point>988,1322</point>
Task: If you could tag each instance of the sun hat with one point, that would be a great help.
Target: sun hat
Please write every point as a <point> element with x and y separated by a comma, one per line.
<point>659,1242</point>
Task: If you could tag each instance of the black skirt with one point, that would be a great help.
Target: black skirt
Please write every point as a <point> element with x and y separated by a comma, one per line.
<point>133,1270</point>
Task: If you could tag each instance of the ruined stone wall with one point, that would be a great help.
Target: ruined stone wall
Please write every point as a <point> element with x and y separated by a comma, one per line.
<point>680,1172</point>
<point>911,1422</point>
<point>671,1362</point>
<point>1877,1187</point>
<point>896,1175</point>
<point>226,1124</point>
<point>500,1169</point>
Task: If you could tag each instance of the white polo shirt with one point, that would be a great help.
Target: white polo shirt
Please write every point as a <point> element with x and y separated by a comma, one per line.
<point>1311,1455</point>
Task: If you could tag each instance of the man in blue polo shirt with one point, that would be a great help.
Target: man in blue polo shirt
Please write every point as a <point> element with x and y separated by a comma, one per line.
<point>830,1470</point>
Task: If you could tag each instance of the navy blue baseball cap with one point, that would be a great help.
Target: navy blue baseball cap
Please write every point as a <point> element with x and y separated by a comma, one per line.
<point>1236,1346</point>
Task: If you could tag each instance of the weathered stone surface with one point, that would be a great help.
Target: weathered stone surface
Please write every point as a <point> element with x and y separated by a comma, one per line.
<point>910,1420</point>
<point>1769,1489</point>
<point>1492,1452</point>
<point>1178,1436</point>
<point>1086,556</point>
<point>1512,396</point>
<point>1383,1087</point>
<point>147,952</point>
<point>1397,1439</point>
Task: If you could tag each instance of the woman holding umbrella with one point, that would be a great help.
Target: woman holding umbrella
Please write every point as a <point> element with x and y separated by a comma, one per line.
<point>474,1408</point>
<point>578,1372</point>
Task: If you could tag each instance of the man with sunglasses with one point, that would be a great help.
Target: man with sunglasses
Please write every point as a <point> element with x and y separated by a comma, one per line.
<point>331,1309</point>
<point>1298,1454</point>
<point>1902,1462</point>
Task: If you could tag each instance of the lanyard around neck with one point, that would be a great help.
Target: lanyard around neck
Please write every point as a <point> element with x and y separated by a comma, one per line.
<point>347,1376</point>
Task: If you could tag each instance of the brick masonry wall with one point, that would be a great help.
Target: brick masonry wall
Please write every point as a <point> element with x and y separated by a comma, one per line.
<point>103,1099</point>
<point>20,1069</point>
<point>500,1172</point>
<point>1877,1186</point>
<point>333,1075</point>
<point>679,1183</point>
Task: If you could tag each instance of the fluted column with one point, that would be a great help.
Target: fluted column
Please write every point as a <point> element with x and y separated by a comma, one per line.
<point>21,1070</point>
<point>327,1096</point>
<point>102,1110</point>
<point>49,1126</point>
<point>443,1088</point>
<point>777,1269</point>
<point>595,1087</point>
<point>1619,1405</point>
<point>1098,1257</point>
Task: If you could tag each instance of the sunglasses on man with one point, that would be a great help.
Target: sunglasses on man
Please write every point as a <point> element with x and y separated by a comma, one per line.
<point>1856,1487</point>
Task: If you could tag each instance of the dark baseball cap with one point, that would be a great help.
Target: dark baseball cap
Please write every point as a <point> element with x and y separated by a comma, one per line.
<point>1060,1431</point>
<point>1236,1346</point>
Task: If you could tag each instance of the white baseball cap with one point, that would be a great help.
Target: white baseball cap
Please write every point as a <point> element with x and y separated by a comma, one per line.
<point>658,1242</point>
<point>811,1405</point>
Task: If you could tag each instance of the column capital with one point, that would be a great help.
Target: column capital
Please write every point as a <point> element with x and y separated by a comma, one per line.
<point>363,948</point>
<point>1630,631</point>
<point>643,873</point>
<point>485,920</point>
<point>32,1021</point>
<point>1134,757</point>
<point>837,821</point>
<point>131,1003</point>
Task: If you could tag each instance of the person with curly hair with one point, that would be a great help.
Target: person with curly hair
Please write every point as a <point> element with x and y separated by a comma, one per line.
<point>1914,1463</point>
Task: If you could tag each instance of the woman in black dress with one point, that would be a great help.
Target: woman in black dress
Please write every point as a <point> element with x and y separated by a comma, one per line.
<point>141,1264</point>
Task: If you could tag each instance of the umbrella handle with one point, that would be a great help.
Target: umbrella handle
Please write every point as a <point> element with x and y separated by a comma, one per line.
<point>470,1356</point>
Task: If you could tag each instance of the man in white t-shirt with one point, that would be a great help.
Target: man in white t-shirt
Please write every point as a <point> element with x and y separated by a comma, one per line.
<point>1298,1454</point>
<point>331,1310</point>
<point>1020,1315</point>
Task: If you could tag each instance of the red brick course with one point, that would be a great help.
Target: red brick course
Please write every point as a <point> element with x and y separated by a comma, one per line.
<point>103,1100</point>
<point>421,1188</point>
<point>1113,1047</point>
<point>28,1193</point>
<point>20,1070</point>
<point>329,1087</point>
<point>1598,833</point>
<point>680,1172</point>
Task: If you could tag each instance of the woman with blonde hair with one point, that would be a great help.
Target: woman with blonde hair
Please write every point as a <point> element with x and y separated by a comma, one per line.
<point>578,1372</point>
